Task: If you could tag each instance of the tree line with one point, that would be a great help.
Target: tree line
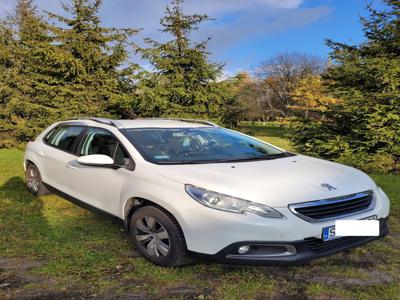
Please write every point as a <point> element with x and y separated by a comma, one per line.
<point>55,67</point>
<point>362,128</point>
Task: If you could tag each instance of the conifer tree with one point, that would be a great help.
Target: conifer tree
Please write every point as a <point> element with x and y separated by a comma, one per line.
<point>26,39</point>
<point>364,127</point>
<point>102,83</point>
<point>7,77</point>
<point>183,82</point>
<point>53,73</point>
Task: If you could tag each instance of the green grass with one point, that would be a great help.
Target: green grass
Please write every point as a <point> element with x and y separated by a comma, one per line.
<point>77,251</point>
<point>270,132</point>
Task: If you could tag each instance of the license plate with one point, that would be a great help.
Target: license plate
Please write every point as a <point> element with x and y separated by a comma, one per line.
<point>328,233</point>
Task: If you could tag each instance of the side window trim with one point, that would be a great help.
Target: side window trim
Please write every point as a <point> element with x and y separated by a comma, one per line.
<point>80,140</point>
<point>78,149</point>
<point>74,145</point>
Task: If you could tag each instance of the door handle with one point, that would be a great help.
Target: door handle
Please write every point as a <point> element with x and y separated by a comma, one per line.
<point>41,153</point>
<point>68,165</point>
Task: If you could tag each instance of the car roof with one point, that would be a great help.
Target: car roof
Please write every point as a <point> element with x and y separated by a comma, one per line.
<point>147,123</point>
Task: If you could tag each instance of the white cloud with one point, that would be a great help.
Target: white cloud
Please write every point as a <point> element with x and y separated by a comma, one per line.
<point>236,21</point>
<point>215,7</point>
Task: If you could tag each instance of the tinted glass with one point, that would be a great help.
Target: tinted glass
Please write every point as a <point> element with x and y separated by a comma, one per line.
<point>198,145</point>
<point>121,157</point>
<point>64,138</point>
<point>98,141</point>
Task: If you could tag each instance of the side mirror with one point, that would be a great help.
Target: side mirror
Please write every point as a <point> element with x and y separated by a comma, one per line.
<point>96,160</point>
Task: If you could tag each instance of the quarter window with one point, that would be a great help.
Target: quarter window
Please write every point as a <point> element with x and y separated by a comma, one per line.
<point>64,137</point>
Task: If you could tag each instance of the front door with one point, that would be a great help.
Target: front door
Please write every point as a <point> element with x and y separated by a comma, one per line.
<point>100,186</point>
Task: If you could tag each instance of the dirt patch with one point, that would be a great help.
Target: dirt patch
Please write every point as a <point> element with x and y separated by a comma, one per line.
<point>370,260</point>
<point>18,265</point>
<point>374,278</point>
<point>208,276</point>
<point>293,281</point>
<point>184,291</point>
<point>181,291</point>
<point>288,297</point>
<point>129,296</point>
<point>39,293</point>
<point>10,281</point>
<point>318,274</point>
<point>43,294</point>
<point>15,275</point>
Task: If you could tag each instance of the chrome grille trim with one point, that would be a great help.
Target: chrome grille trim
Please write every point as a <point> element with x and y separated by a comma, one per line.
<point>337,200</point>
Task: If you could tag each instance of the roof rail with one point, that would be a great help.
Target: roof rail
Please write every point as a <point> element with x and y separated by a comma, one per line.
<point>106,121</point>
<point>184,120</point>
<point>111,122</point>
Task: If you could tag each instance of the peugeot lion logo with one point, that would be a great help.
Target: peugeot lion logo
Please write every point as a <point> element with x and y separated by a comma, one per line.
<point>328,186</point>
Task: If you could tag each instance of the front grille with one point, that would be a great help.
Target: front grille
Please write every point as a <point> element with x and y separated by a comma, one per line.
<point>332,208</point>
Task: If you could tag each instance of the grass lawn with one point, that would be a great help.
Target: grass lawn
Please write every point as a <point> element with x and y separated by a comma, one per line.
<point>270,132</point>
<point>50,248</point>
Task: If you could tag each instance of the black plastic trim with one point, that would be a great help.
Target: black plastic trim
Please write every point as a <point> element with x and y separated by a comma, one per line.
<point>326,206</point>
<point>304,252</point>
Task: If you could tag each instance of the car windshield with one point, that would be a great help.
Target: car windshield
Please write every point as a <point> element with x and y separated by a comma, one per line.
<point>198,145</point>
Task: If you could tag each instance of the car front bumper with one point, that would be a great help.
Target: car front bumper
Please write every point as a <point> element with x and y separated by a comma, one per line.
<point>305,250</point>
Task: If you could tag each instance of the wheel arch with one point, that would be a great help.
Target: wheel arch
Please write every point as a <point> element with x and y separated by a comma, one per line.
<point>29,162</point>
<point>134,203</point>
<point>31,157</point>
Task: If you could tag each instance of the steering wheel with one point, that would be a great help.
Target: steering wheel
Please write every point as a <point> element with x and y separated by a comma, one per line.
<point>194,146</point>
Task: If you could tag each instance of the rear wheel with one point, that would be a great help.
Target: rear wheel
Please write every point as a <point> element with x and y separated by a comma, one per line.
<point>34,181</point>
<point>158,237</point>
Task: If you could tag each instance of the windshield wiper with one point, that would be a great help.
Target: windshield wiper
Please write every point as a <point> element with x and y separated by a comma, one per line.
<point>265,157</point>
<point>179,162</point>
<point>198,162</point>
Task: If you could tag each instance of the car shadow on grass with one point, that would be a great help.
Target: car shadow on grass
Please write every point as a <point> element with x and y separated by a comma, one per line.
<point>23,222</point>
<point>23,228</point>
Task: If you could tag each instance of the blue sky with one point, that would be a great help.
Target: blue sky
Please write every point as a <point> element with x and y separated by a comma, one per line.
<point>244,32</point>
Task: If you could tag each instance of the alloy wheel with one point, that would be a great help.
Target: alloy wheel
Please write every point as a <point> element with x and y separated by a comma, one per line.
<point>152,236</point>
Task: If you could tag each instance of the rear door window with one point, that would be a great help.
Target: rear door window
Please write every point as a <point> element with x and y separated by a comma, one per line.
<point>65,137</point>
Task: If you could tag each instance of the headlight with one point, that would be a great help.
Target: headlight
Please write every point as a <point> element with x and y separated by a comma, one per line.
<point>228,203</point>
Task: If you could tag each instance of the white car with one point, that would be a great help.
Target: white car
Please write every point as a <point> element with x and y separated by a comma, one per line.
<point>189,188</point>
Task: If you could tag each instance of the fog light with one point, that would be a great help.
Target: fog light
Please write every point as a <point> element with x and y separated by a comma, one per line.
<point>243,249</point>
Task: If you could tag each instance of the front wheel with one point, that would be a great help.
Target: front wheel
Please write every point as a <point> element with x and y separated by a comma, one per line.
<point>158,237</point>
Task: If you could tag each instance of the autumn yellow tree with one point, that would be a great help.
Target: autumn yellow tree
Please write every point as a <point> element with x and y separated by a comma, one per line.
<point>310,96</point>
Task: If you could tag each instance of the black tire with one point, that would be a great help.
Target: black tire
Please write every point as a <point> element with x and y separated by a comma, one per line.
<point>34,182</point>
<point>141,225</point>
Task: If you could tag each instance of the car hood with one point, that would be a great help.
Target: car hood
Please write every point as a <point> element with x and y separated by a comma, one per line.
<point>276,182</point>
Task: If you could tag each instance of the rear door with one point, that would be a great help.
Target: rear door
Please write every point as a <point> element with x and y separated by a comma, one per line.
<point>100,186</point>
<point>60,148</point>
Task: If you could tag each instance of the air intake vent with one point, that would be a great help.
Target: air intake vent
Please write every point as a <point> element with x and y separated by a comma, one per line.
<point>327,209</point>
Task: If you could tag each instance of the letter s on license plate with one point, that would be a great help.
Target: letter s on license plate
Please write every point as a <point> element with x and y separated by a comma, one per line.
<point>328,233</point>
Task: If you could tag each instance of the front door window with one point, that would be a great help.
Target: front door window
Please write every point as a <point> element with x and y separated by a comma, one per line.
<point>99,141</point>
